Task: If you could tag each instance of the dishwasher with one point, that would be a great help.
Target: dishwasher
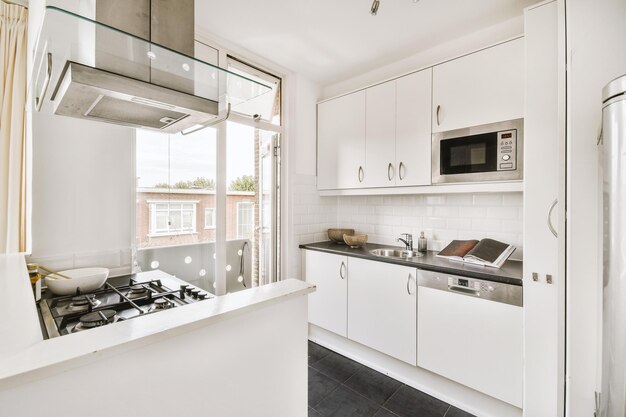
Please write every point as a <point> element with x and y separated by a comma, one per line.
<point>471,331</point>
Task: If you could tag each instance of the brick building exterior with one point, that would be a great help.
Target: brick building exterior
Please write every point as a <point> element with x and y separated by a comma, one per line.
<point>189,216</point>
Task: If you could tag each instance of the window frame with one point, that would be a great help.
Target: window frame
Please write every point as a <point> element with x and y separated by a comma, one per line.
<point>152,230</point>
<point>279,237</point>
<point>252,209</point>
<point>212,226</point>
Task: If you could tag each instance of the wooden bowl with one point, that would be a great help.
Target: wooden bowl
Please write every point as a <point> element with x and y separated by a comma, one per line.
<point>336,235</point>
<point>355,241</point>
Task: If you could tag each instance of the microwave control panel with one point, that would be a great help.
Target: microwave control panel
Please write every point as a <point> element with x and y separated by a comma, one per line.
<point>507,150</point>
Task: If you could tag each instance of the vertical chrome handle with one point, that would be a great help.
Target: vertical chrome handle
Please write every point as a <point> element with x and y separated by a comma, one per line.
<point>390,171</point>
<point>361,174</point>
<point>438,108</point>
<point>408,284</point>
<point>400,169</point>
<point>46,83</point>
<point>549,219</point>
<point>341,269</point>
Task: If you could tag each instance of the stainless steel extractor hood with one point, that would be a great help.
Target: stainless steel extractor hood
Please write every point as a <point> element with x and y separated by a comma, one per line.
<point>92,93</point>
<point>131,63</point>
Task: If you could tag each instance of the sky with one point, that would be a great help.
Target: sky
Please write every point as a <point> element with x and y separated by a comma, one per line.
<point>192,156</point>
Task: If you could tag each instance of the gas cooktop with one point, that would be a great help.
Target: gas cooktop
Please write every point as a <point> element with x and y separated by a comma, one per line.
<point>121,298</point>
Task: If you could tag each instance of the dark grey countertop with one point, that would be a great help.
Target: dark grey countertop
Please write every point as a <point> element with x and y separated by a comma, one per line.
<point>509,273</point>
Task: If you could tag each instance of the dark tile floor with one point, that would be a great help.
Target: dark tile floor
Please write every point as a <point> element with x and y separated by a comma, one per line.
<point>340,387</point>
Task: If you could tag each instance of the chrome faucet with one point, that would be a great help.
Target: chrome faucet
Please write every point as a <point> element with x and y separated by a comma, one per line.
<point>408,241</point>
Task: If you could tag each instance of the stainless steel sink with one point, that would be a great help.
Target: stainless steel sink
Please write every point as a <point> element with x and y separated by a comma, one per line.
<point>396,253</point>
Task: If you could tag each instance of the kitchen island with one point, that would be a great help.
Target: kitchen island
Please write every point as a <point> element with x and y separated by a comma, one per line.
<point>241,354</point>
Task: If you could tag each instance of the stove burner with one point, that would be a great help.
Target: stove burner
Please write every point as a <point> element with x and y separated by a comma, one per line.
<point>81,302</point>
<point>130,299</point>
<point>97,318</point>
<point>163,303</point>
<point>137,291</point>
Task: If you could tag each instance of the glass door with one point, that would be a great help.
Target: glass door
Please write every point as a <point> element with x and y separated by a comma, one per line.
<point>252,201</point>
<point>269,221</point>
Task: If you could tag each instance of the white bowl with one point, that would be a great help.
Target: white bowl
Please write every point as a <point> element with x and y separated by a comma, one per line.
<point>87,279</point>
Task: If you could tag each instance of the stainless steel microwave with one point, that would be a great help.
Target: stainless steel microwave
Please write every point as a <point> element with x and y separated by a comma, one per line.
<point>493,152</point>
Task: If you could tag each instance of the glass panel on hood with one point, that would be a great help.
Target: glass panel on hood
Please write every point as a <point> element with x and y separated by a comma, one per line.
<point>80,62</point>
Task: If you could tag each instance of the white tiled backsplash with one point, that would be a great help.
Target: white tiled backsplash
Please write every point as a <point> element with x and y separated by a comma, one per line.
<point>312,215</point>
<point>441,217</point>
<point>383,218</point>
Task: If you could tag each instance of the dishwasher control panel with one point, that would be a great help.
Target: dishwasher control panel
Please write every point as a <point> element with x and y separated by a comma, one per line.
<point>472,287</point>
<point>477,285</point>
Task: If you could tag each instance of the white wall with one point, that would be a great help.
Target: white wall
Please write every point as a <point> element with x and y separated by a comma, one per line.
<point>82,184</point>
<point>596,53</point>
<point>442,217</point>
<point>82,200</point>
<point>309,215</point>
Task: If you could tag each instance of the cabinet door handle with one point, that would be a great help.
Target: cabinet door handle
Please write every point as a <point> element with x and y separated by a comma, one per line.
<point>401,169</point>
<point>342,268</point>
<point>437,115</point>
<point>390,173</point>
<point>361,174</point>
<point>408,284</point>
<point>552,229</point>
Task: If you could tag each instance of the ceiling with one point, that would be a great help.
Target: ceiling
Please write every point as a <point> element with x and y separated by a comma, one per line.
<point>331,40</point>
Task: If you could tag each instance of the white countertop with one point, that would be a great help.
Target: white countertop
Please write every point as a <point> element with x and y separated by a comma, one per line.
<point>29,359</point>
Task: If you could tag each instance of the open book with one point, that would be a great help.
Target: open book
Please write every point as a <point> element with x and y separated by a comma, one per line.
<point>487,252</point>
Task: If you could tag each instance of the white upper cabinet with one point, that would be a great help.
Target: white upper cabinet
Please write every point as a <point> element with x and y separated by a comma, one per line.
<point>328,305</point>
<point>479,88</point>
<point>397,133</point>
<point>413,130</point>
<point>382,307</point>
<point>341,142</point>
<point>380,135</point>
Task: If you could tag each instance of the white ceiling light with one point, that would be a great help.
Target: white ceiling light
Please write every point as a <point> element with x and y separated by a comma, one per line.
<point>374,8</point>
<point>376,5</point>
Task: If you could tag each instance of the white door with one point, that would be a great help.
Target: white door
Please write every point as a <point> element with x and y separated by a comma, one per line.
<point>341,142</point>
<point>381,307</point>
<point>328,304</point>
<point>413,130</point>
<point>380,135</point>
<point>479,88</point>
<point>473,341</point>
<point>543,151</point>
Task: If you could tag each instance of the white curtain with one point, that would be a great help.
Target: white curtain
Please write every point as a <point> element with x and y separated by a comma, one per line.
<point>13,52</point>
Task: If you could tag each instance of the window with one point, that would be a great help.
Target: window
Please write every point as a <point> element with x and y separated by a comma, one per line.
<point>245,220</point>
<point>209,218</point>
<point>265,107</point>
<point>172,217</point>
<point>186,209</point>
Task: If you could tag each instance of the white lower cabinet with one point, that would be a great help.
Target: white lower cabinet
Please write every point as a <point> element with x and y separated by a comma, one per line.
<point>440,327</point>
<point>470,340</point>
<point>328,306</point>
<point>382,307</point>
